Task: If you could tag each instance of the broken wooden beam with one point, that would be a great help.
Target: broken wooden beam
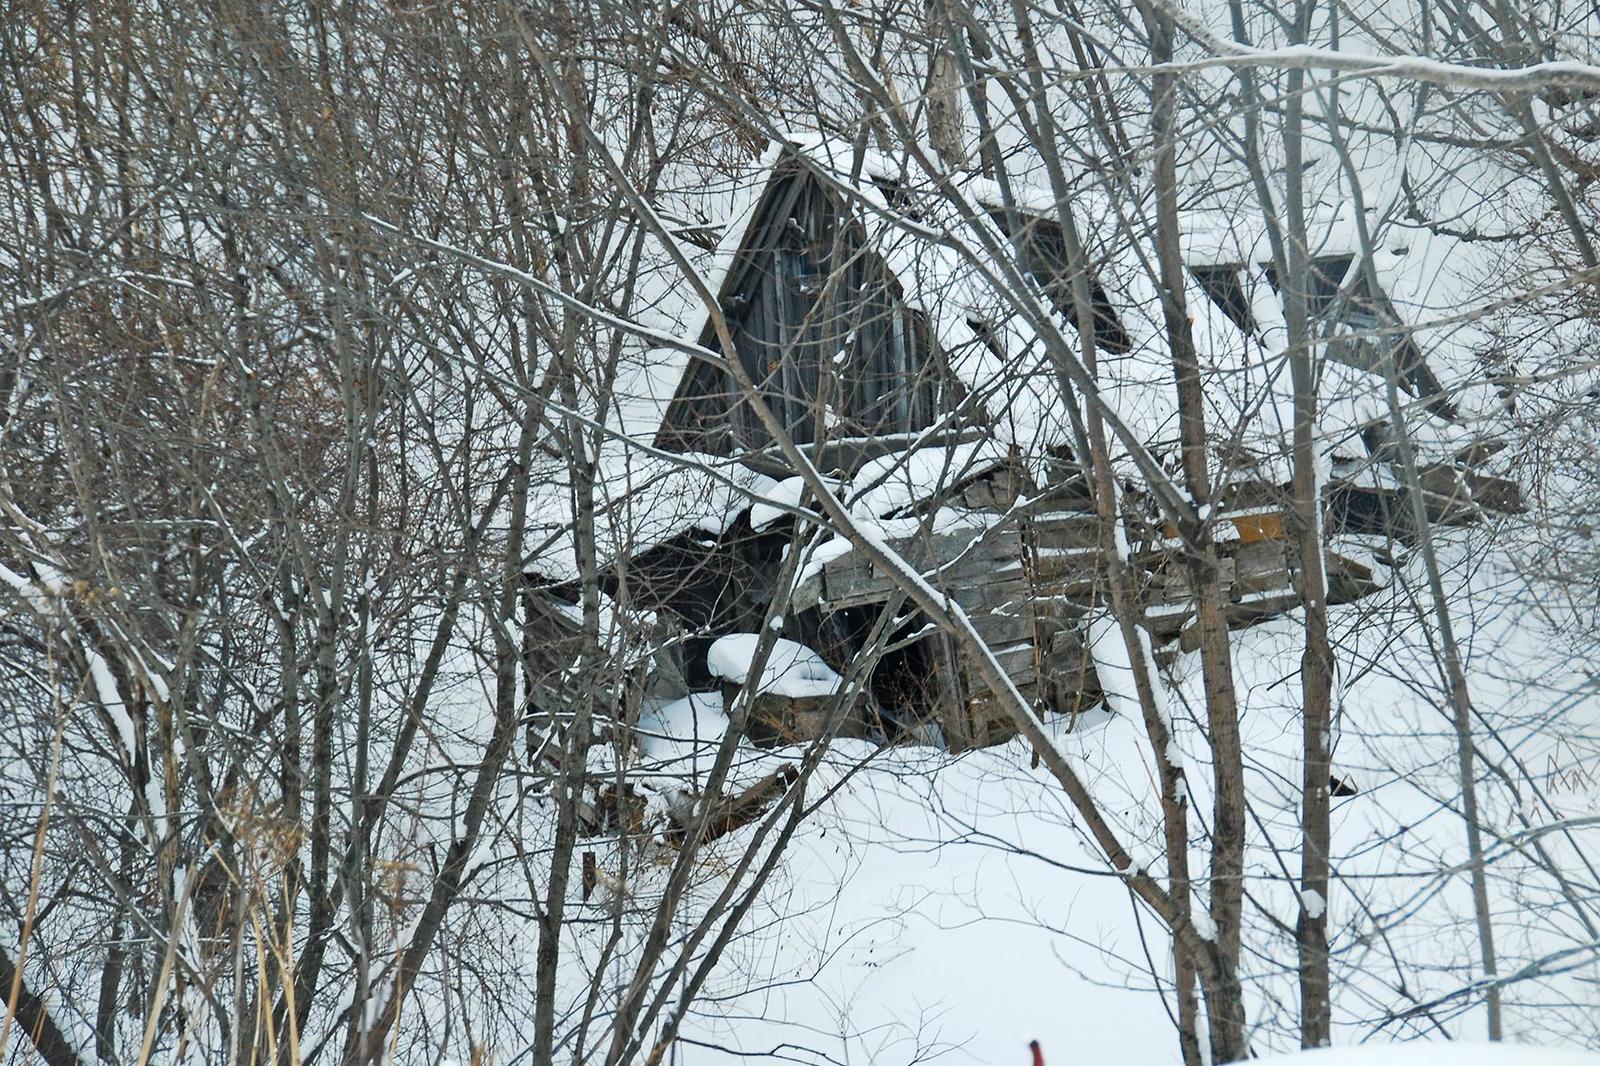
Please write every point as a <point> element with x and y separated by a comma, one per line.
<point>728,813</point>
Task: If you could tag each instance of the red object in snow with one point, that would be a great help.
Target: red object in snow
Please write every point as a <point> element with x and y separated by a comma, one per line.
<point>1038,1056</point>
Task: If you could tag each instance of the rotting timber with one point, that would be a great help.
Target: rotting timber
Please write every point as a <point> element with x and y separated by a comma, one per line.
<point>1022,561</point>
<point>845,358</point>
<point>1030,575</point>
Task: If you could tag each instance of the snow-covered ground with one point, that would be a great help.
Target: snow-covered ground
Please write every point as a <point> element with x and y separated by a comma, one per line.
<point>1428,1053</point>
<point>949,908</point>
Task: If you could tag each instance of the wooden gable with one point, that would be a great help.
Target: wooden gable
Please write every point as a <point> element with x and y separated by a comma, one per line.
<point>822,326</point>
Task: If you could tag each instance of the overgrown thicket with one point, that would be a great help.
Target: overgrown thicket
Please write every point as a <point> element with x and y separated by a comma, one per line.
<point>266,452</point>
<point>305,309</point>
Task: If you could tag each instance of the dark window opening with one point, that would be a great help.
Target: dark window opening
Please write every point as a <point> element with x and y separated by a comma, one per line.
<point>1354,319</point>
<point>1224,285</point>
<point>1369,512</point>
<point>1327,278</point>
<point>909,682</point>
<point>898,196</point>
<point>907,686</point>
<point>1045,252</point>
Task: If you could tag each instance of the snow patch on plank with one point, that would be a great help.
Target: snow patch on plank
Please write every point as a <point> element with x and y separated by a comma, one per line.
<point>792,669</point>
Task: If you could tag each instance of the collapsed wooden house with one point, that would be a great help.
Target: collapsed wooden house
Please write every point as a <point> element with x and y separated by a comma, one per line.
<point>868,345</point>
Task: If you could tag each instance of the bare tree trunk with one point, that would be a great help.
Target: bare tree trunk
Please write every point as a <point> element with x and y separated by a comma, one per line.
<point>1452,666</point>
<point>944,92</point>
<point>1460,709</point>
<point>33,1016</point>
<point>1226,1003</point>
<point>1316,676</point>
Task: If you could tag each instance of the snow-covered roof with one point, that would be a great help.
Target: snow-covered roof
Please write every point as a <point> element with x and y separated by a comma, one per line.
<point>791,669</point>
<point>926,239</point>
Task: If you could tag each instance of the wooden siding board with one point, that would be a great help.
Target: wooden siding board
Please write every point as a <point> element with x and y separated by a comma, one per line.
<point>802,280</point>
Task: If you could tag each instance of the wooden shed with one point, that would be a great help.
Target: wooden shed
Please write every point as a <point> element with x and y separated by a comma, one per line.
<point>841,345</point>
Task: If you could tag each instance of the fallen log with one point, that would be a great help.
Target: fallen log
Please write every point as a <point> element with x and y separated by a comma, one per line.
<point>729,813</point>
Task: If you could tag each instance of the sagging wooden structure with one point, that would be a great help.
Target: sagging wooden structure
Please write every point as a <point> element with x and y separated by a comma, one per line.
<point>853,371</point>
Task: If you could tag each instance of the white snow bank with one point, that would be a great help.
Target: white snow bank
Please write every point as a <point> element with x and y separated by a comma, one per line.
<point>892,482</point>
<point>776,501</point>
<point>882,530</point>
<point>679,740</point>
<point>678,730</point>
<point>1438,1054</point>
<point>792,669</point>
